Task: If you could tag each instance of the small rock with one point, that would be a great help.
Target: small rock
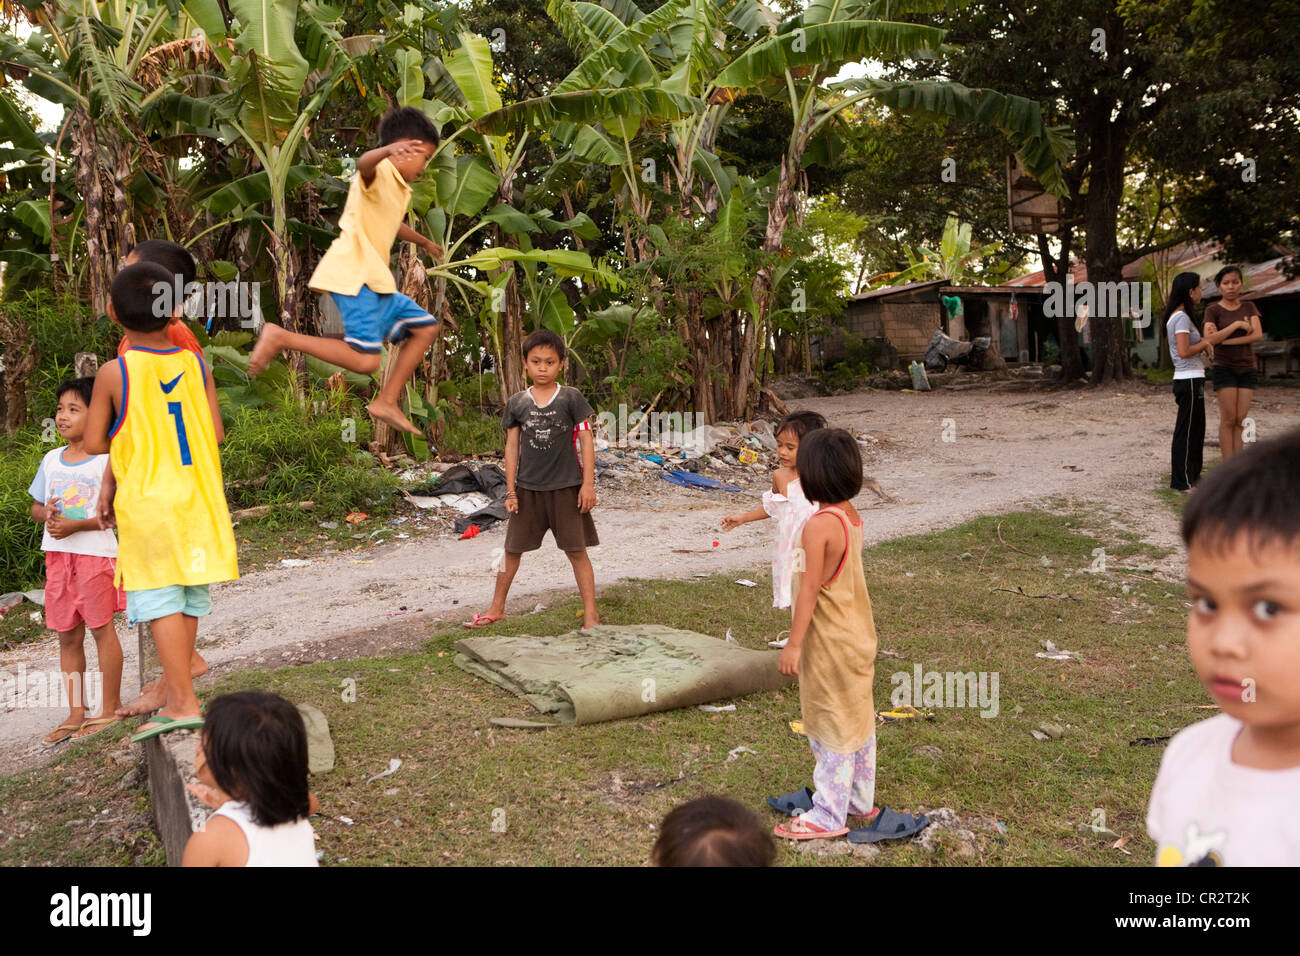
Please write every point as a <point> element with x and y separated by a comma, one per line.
<point>130,780</point>
<point>1052,730</point>
<point>929,750</point>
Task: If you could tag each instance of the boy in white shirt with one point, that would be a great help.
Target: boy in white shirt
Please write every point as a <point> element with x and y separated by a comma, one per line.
<point>79,565</point>
<point>1228,787</point>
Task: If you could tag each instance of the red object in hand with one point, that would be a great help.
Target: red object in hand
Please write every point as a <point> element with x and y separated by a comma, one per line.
<point>470,532</point>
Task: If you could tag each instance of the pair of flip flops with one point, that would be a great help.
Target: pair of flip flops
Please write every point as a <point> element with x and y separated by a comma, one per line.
<point>69,731</point>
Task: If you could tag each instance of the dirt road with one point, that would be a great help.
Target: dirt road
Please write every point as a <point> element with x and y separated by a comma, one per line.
<point>1008,450</point>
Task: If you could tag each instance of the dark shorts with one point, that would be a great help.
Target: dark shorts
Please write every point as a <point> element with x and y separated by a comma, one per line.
<point>1224,377</point>
<point>555,511</point>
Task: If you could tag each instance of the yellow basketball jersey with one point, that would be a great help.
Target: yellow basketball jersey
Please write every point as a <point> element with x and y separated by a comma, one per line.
<point>173,525</point>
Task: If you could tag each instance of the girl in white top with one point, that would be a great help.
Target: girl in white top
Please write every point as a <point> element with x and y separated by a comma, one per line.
<point>785,502</point>
<point>251,761</point>
<point>1187,348</point>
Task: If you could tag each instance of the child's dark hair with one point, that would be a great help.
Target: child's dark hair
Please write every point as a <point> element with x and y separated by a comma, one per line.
<point>1227,270</point>
<point>172,256</point>
<point>256,747</point>
<point>544,338</point>
<point>407,123</point>
<point>829,465</point>
<point>801,423</point>
<point>712,831</point>
<point>84,387</point>
<point>134,296</point>
<point>1254,493</point>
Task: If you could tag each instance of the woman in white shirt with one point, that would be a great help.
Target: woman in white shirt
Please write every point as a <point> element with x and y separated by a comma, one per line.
<point>1185,348</point>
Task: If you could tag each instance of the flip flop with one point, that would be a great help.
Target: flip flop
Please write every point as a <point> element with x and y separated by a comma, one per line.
<point>906,712</point>
<point>100,724</point>
<point>889,825</point>
<point>166,726</point>
<point>481,620</point>
<point>792,804</point>
<point>799,829</point>
<point>70,728</point>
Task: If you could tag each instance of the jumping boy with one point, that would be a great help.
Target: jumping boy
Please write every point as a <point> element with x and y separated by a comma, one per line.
<point>79,565</point>
<point>154,411</point>
<point>1228,786</point>
<point>354,270</point>
<point>548,487</point>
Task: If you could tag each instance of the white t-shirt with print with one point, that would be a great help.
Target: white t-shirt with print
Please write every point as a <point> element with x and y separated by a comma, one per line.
<point>1208,811</point>
<point>76,486</point>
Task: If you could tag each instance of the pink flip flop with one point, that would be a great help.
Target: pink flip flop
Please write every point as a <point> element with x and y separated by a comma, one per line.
<point>481,620</point>
<point>797,829</point>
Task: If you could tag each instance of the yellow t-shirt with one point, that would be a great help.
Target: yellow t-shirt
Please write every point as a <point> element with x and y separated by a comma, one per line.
<point>367,231</point>
<point>173,525</point>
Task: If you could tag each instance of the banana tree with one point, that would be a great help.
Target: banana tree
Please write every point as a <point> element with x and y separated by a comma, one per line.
<point>794,64</point>
<point>955,258</point>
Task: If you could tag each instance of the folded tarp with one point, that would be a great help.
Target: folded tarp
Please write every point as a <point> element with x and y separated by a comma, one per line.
<point>613,671</point>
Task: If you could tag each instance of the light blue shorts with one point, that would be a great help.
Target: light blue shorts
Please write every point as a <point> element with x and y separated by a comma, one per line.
<point>370,318</point>
<point>192,600</point>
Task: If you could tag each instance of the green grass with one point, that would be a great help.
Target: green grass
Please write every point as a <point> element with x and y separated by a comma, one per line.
<point>592,794</point>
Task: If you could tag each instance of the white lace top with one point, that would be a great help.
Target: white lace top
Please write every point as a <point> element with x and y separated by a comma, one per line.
<point>791,511</point>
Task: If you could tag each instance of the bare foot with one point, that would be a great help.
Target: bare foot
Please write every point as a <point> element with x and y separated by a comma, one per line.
<point>198,666</point>
<point>152,696</point>
<point>389,413</point>
<point>266,349</point>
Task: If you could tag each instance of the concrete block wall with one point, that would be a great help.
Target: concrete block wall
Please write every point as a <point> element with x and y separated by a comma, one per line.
<point>909,326</point>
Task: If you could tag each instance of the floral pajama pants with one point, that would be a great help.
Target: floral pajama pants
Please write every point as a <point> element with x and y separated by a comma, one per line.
<point>844,784</point>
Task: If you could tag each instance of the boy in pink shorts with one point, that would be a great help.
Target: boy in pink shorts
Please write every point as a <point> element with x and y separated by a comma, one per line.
<point>79,566</point>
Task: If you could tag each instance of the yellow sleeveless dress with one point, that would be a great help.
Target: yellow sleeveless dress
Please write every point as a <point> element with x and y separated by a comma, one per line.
<point>173,525</point>
<point>837,662</point>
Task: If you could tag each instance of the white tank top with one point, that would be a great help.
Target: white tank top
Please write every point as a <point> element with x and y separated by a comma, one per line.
<point>288,844</point>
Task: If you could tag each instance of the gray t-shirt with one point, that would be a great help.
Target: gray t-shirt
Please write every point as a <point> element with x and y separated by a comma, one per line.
<point>548,458</point>
<point>1191,367</point>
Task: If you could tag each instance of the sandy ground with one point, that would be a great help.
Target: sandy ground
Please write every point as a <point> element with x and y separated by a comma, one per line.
<point>1104,447</point>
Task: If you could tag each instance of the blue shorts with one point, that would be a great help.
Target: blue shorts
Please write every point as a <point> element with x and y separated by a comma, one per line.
<point>189,599</point>
<point>370,318</point>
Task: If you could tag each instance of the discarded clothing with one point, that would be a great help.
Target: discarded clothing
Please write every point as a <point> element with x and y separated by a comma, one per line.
<point>609,672</point>
<point>464,479</point>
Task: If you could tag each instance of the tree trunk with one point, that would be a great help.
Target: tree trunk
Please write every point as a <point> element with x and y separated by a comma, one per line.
<point>1056,270</point>
<point>100,260</point>
<point>1109,142</point>
<point>21,359</point>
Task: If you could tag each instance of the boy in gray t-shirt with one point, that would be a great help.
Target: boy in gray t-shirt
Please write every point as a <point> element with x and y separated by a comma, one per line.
<point>548,486</point>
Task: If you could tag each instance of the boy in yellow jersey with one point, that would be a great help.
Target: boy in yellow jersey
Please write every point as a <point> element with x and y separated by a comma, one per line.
<point>355,271</point>
<point>154,411</point>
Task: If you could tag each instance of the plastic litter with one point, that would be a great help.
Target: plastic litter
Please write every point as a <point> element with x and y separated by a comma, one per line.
<point>348,820</point>
<point>690,479</point>
<point>748,456</point>
<point>919,381</point>
<point>730,638</point>
<point>735,752</point>
<point>293,563</point>
<point>1054,653</point>
<point>710,709</point>
<point>356,517</point>
<point>392,769</point>
<point>470,532</point>
<point>748,584</point>
<point>329,525</point>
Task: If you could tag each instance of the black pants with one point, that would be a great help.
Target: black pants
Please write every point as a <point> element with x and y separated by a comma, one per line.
<point>1189,433</point>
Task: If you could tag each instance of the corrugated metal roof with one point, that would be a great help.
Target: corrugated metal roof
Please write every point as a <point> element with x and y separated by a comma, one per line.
<point>889,290</point>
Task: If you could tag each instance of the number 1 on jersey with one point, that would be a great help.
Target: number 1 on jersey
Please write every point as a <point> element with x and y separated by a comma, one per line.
<point>174,409</point>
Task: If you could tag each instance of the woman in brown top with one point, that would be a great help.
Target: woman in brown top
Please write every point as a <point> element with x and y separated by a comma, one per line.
<point>1234,374</point>
<point>832,645</point>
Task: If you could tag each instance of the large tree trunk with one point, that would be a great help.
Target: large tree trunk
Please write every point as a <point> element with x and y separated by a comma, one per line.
<point>20,361</point>
<point>1108,141</point>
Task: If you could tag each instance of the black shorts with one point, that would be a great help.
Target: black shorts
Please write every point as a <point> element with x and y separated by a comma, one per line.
<point>1224,377</point>
<point>555,511</point>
